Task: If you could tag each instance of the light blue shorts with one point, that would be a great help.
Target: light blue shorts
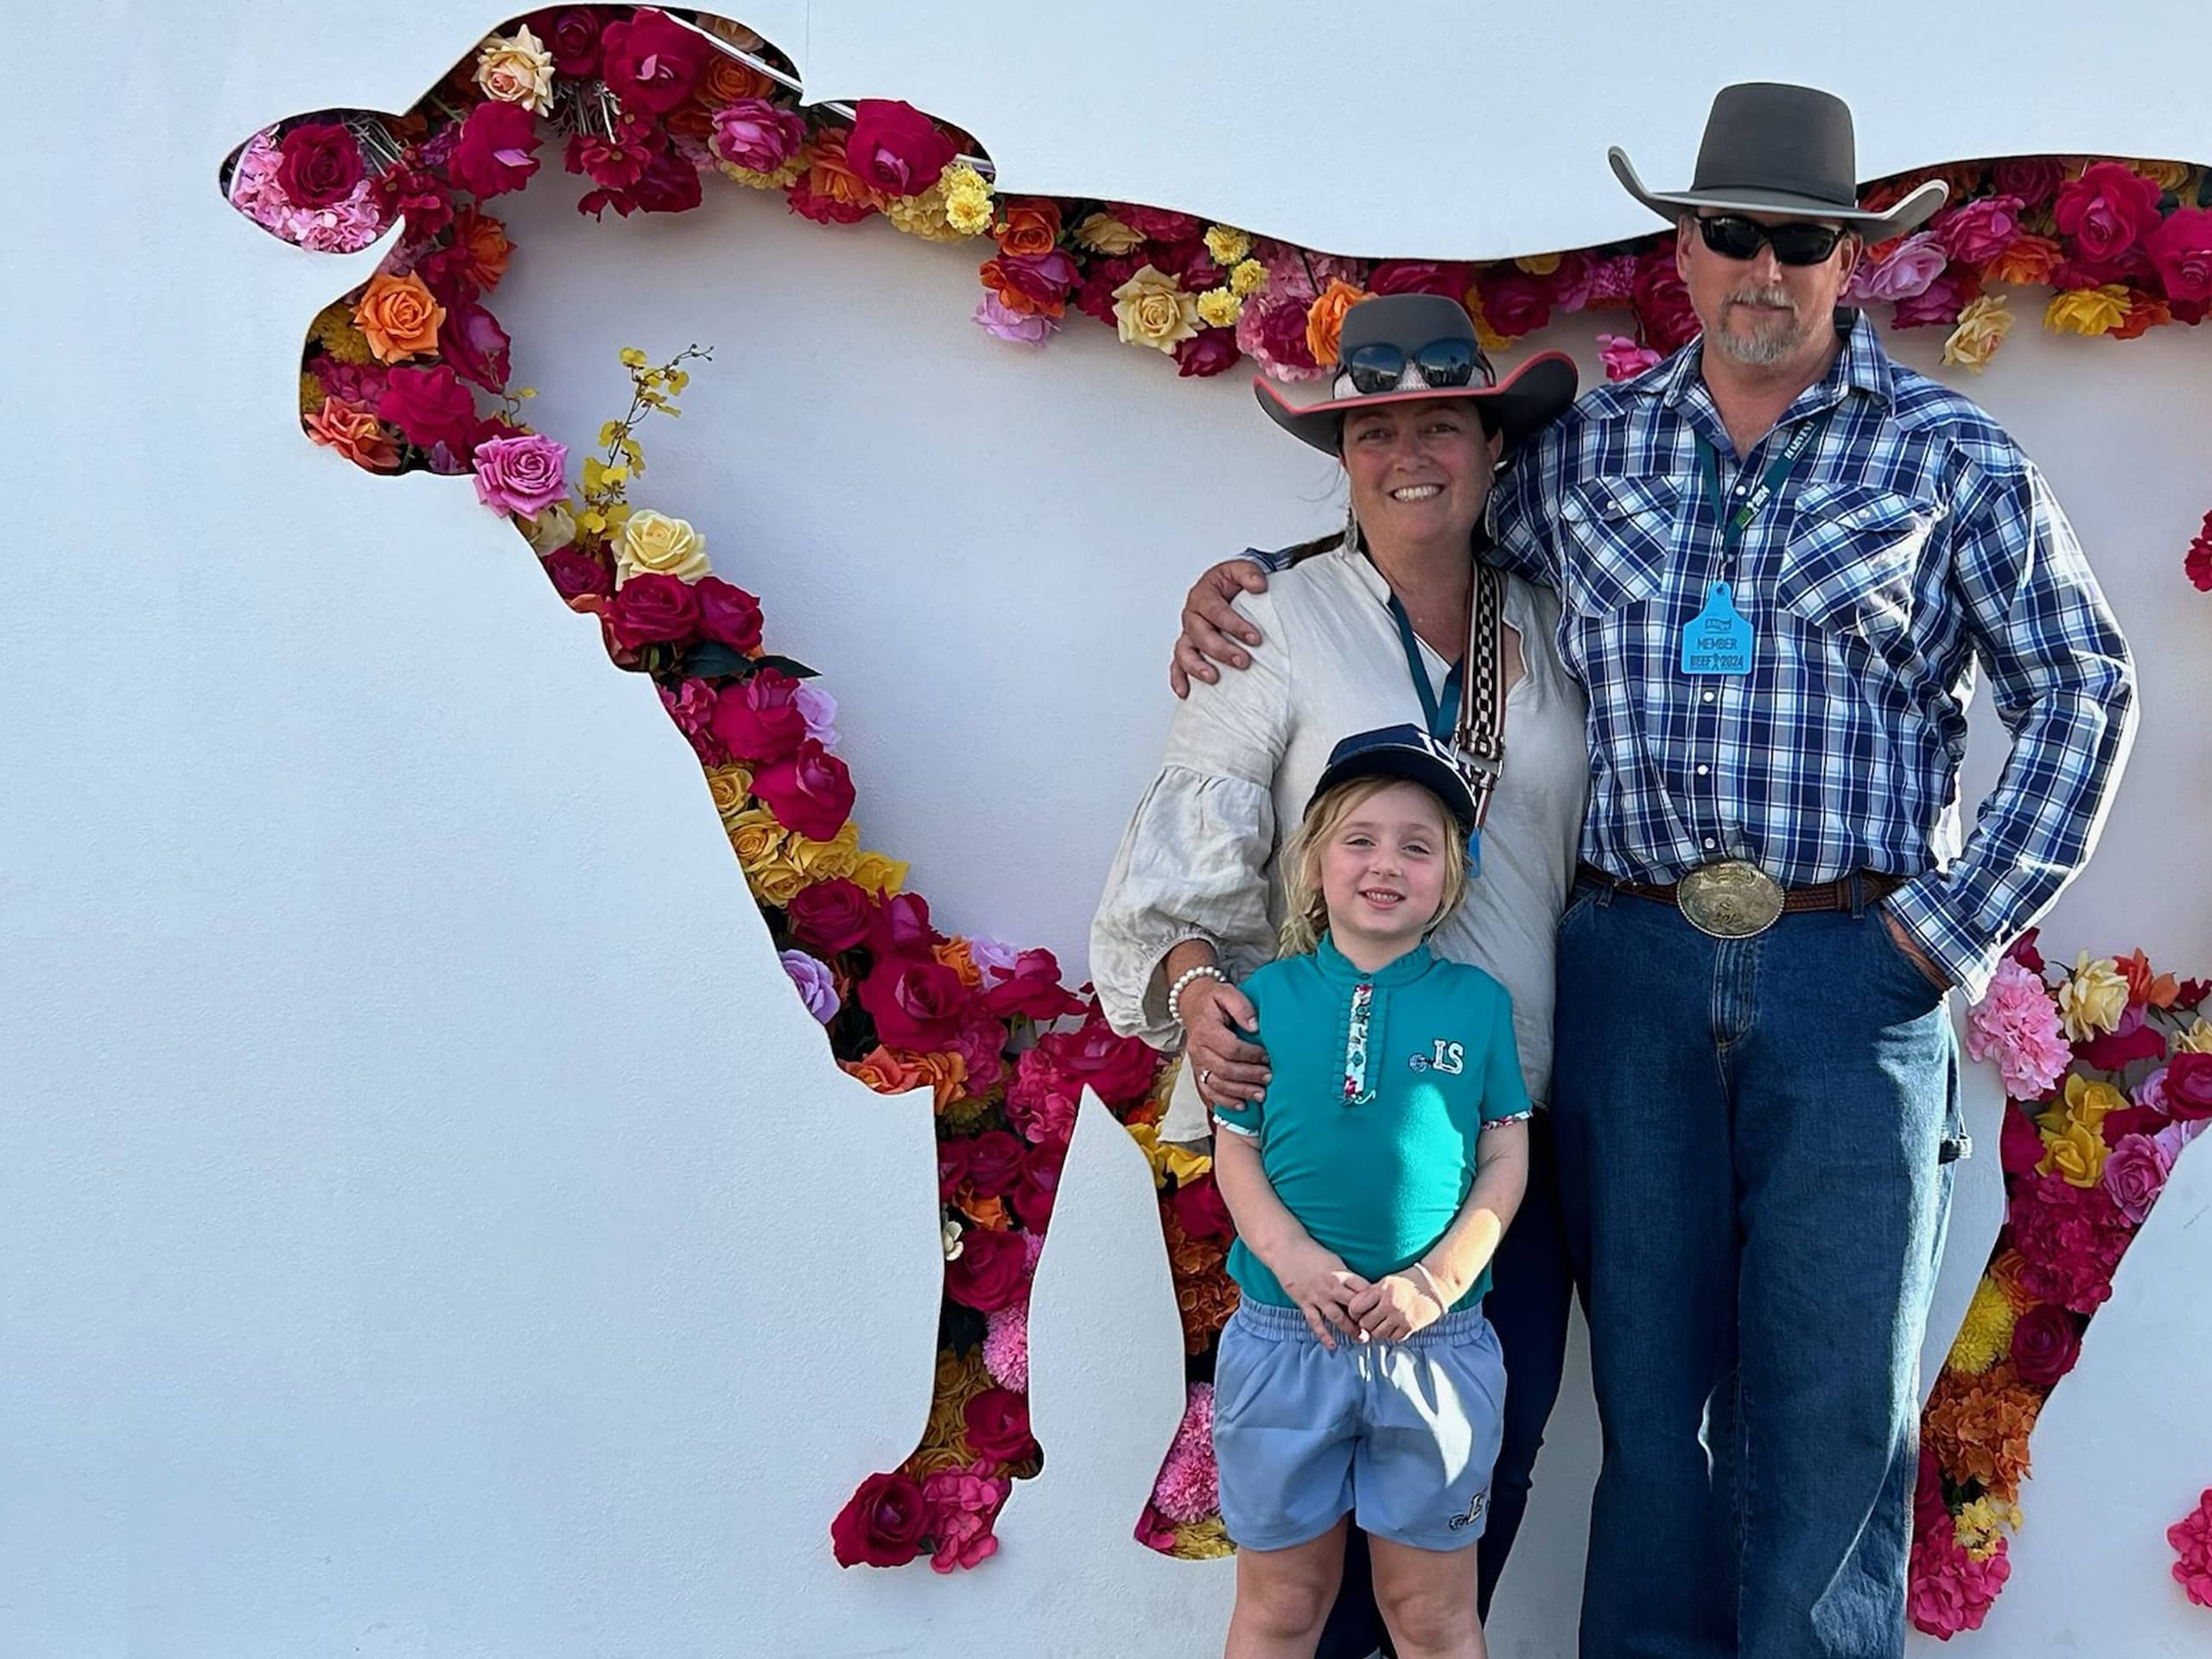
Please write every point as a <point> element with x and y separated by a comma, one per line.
<point>1400,1435</point>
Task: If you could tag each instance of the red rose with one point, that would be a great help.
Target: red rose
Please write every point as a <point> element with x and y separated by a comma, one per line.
<point>2034,178</point>
<point>997,1426</point>
<point>2115,1050</point>
<point>810,790</point>
<point>727,614</point>
<point>990,1271</point>
<point>576,572</point>
<point>895,147</point>
<point>472,340</point>
<point>2193,992</point>
<point>1662,303</point>
<point>2046,1341</point>
<point>951,1167</point>
<point>429,406</point>
<point>652,609</point>
<point>1157,224</point>
<point>1094,295</point>
<point>2181,252</point>
<point>2108,209</point>
<point>571,34</point>
<point>2023,951</point>
<point>1514,302</point>
<point>993,1163</point>
<point>881,1524</point>
<point>1188,262</point>
<point>831,916</point>
<point>1201,1211</point>
<point>2188,1087</point>
<point>1449,278</point>
<point>915,1005</point>
<point>1282,331</point>
<point>757,721</point>
<point>651,62</point>
<point>1209,352</point>
<point>2131,1120</point>
<point>1119,1070</point>
<point>670,185</point>
<point>497,152</point>
<point>902,927</point>
<point>692,708</point>
<point>1033,990</point>
<point>2020,1148</point>
<point>1040,1186</point>
<point>321,164</point>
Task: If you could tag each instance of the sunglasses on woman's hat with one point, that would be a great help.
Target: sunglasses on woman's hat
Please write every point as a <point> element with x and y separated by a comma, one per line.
<point>1381,366</point>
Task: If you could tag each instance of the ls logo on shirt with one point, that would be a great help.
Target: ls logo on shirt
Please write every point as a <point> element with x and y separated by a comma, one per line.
<point>1448,1058</point>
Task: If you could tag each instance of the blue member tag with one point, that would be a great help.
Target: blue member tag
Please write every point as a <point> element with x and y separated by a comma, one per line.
<point>1718,640</point>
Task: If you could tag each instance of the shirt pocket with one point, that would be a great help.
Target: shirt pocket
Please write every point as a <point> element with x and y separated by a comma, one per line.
<point>1853,554</point>
<point>1622,532</point>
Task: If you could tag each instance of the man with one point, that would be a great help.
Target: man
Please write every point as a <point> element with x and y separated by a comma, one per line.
<point>1778,555</point>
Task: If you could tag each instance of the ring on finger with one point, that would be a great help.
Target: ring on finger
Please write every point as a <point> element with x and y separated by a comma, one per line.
<point>1205,1077</point>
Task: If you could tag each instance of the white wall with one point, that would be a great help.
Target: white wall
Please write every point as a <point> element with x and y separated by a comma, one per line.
<point>426,1222</point>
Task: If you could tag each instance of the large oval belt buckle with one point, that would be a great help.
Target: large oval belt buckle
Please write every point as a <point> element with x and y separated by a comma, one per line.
<point>1729,900</point>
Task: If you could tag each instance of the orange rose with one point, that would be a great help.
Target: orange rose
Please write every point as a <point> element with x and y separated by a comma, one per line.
<point>481,242</point>
<point>984,1212</point>
<point>829,173</point>
<point>954,954</point>
<point>2144,312</point>
<point>2159,992</point>
<point>354,433</point>
<point>2007,1269</point>
<point>724,81</point>
<point>399,316</point>
<point>1031,225</point>
<point>884,1071</point>
<point>1325,319</point>
<point>2028,262</point>
<point>944,1073</point>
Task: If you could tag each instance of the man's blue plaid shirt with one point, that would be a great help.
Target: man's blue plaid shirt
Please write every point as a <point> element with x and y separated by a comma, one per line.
<point>1911,536</point>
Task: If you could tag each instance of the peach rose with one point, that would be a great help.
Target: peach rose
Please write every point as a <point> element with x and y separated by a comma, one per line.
<point>1031,225</point>
<point>2029,262</point>
<point>724,81</point>
<point>884,1071</point>
<point>1103,233</point>
<point>829,173</point>
<point>354,433</point>
<point>516,69</point>
<point>1325,319</point>
<point>944,1073</point>
<point>399,316</point>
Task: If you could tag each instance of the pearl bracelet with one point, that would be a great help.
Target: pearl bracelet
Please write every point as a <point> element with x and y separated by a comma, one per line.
<point>1175,991</point>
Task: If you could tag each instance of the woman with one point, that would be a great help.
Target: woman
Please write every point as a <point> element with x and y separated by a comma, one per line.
<point>1193,903</point>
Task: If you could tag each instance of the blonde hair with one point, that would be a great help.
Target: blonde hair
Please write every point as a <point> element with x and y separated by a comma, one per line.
<point>1306,907</point>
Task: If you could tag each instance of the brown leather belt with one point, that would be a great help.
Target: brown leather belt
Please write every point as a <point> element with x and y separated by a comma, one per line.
<point>1873,884</point>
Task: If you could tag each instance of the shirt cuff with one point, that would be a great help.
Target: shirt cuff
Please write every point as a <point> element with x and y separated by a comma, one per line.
<point>1924,907</point>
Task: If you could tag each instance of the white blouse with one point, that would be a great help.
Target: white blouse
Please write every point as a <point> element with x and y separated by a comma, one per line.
<point>1197,861</point>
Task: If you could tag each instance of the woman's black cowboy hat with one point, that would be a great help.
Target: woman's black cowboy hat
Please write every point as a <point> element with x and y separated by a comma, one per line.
<point>1775,149</point>
<point>1520,405</point>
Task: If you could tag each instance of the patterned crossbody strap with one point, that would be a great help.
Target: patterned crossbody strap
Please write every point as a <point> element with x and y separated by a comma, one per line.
<point>1480,737</point>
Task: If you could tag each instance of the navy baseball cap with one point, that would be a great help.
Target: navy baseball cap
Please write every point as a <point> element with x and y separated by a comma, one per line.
<point>1406,752</point>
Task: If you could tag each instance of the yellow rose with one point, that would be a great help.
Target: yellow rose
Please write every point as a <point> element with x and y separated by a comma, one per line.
<point>2077,1155</point>
<point>551,531</point>
<point>2197,1039</point>
<point>1487,336</point>
<point>1219,309</point>
<point>879,873</point>
<point>1982,327</point>
<point>757,838</point>
<point>730,787</point>
<point>2089,1103</point>
<point>653,541</point>
<point>1246,277</point>
<point>1225,244</point>
<point>516,69</point>
<point>2088,310</point>
<point>1166,1159</point>
<point>1103,233</point>
<point>1150,309</point>
<point>1539,264</point>
<point>2170,176</point>
<point>2092,1001</point>
<point>779,881</point>
<point>825,860</point>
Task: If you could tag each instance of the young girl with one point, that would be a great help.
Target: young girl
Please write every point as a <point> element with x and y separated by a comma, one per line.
<point>1370,1184</point>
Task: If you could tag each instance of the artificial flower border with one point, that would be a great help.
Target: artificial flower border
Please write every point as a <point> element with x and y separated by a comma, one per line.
<point>647,106</point>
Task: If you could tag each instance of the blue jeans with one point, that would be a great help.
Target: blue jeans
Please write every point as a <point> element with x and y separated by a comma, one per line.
<point>1528,1308</point>
<point>1755,1137</point>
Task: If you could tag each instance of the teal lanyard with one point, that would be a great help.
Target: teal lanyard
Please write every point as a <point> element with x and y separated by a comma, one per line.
<point>1442,714</point>
<point>1734,525</point>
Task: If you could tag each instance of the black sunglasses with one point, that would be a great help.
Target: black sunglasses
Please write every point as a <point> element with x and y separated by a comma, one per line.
<point>1798,243</point>
<point>1442,363</point>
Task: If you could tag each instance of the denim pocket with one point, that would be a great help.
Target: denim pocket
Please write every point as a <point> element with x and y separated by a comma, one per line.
<point>1877,917</point>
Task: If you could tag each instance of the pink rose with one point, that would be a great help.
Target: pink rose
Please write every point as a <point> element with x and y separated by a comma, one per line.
<point>1623,358</point>
<point>652,609</point>
<point>2135,1173</point>
<point>429,406</point>
<point>1449,278</point>
<point>757,721</point>
<point>2034,178</point>
<point>2046,1341</point>
<point>1209,352</point>
<point>810,790</point>
<point>753,134</point>
<point>321,166</point>
<point>1906,269</point>
<point>895,147</point>
<point>1941,301</point>
<point>526,474</point>
<point>650,62</point>
<point>1022,327</point>
<point>727,614</point>
<point>2181,252</point>
<point>2107,210</point>
<point>497,152</point>
<point>1977,232</point>
<point>1031,989</point>
<point>831,916</point>
<point>1040,281</point>
<point>692,708</point>
<point>819,709</point>
<point>576,572</point>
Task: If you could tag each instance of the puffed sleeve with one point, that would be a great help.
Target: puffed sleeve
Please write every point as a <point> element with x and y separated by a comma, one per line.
<point>1192,864</point>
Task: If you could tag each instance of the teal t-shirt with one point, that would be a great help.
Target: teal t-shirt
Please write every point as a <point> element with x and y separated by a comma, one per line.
<point>1381,1084</point>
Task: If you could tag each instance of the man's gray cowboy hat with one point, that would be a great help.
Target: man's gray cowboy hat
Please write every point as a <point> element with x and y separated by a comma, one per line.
<point>1522,403</point>
<point>1773,148</point>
